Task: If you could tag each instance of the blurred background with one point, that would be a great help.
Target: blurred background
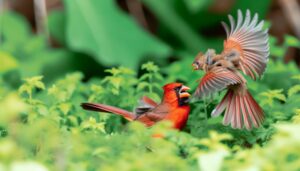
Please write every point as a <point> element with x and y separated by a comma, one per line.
<point>53,37</point>
<point>56,54</point>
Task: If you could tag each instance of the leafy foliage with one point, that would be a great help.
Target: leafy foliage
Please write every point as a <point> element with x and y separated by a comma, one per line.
<point>271,95</point>
<point>87,33</point>
<point>43,127</point>
<point>52,115</point>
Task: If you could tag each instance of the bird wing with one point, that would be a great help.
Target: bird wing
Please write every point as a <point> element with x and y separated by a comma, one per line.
<point>248,41</point>
<point>145,104</point>
<point>150,118</point>
<point>216,79</point>
<point>156,114</point>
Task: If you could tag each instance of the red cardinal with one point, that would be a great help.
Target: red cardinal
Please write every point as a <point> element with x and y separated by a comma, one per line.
<point>246,49</point>
<point>173,107</point>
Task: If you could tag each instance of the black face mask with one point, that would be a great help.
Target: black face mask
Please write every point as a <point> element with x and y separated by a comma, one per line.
<point>181,101</point>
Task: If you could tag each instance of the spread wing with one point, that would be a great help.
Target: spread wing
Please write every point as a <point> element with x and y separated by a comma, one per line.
<point>250,40</point>
<point>216,80</point>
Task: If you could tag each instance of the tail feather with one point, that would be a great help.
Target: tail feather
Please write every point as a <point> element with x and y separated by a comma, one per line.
<point>244,113</point>
<point>221,106</point>
<point>227,118</point>
<point>241,110</point>
<point>238,112</point>
<point>251,112</point>
<point>108,109</point>
<point>258,108</point>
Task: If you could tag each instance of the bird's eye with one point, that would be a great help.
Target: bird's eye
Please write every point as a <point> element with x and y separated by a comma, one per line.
<point>177,89</point>
<point>197,63</point>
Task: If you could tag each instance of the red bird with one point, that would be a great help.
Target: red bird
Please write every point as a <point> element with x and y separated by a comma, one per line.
<point>246,49</point>
<point>173,107</point>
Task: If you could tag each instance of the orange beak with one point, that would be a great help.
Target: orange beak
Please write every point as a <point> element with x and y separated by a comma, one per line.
<point>195,66</point>
<point>183,93</point>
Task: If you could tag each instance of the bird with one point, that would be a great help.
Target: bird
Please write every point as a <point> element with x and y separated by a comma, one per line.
<point>173,107</point>
<point>245,52</point>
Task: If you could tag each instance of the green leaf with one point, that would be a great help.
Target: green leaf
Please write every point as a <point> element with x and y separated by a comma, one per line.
<point>275,50</point>
<point>97,89</point>
<point>293,90</point>
<point>65,107</point>
<point>56,93</point>
<point>25,89</point>
<point>116,81</point>
<point>291,41</point>
<point>120,70</point>
<point>150,67</point>
<point>113,71</point>
<point>92,124</point>
<point>197,5</point>
<point>31,83</point>
<point>63,89</point>
<point>14,27</point>
<point>8,62</point>
<point>112,37</point>
<point>158,76</point>
<point>271,95</point>
<point>57,22</point>
<point>145,76</point>
<point>296,77</point>
<point>296,117</point>
<point>35,82</point>
<point>142,85</point>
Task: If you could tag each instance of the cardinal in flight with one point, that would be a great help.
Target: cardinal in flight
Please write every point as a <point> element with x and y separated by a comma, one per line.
<point>173,107</point>
<point>246,49</point>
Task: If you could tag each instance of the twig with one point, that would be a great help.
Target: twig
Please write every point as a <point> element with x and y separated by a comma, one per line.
<point>291,10</point>
<point>136,9</point>
<point>40,12</point>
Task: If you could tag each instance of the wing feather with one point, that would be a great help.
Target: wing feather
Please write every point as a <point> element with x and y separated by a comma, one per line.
<point>145,104</point>
<point>249,38</point>
<point>216,80</point>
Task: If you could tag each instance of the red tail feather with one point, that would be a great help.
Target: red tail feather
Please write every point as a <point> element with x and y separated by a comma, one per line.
<point>241,110</point>
<point>109,109</point>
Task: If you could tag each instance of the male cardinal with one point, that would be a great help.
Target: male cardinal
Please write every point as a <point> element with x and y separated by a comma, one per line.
<point>173,107</point>
<point>246,49</point>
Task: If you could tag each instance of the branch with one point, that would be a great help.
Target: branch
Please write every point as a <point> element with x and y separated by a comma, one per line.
<point>40,12</point>
<point>291,10</point>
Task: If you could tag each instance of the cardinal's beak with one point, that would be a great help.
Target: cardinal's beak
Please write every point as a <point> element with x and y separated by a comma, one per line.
<point>183,92</point>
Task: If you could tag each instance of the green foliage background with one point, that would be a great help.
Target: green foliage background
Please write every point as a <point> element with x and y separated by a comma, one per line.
<point>42,126</point>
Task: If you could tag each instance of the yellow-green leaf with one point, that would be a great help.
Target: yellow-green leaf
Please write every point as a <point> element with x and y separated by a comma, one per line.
<point>8,62</point>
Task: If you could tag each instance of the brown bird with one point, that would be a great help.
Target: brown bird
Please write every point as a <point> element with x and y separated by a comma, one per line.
<point>246,49</point>
<point>173,107</point>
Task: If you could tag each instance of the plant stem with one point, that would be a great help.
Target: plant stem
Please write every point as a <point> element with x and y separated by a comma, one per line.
<point>150,81</point>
